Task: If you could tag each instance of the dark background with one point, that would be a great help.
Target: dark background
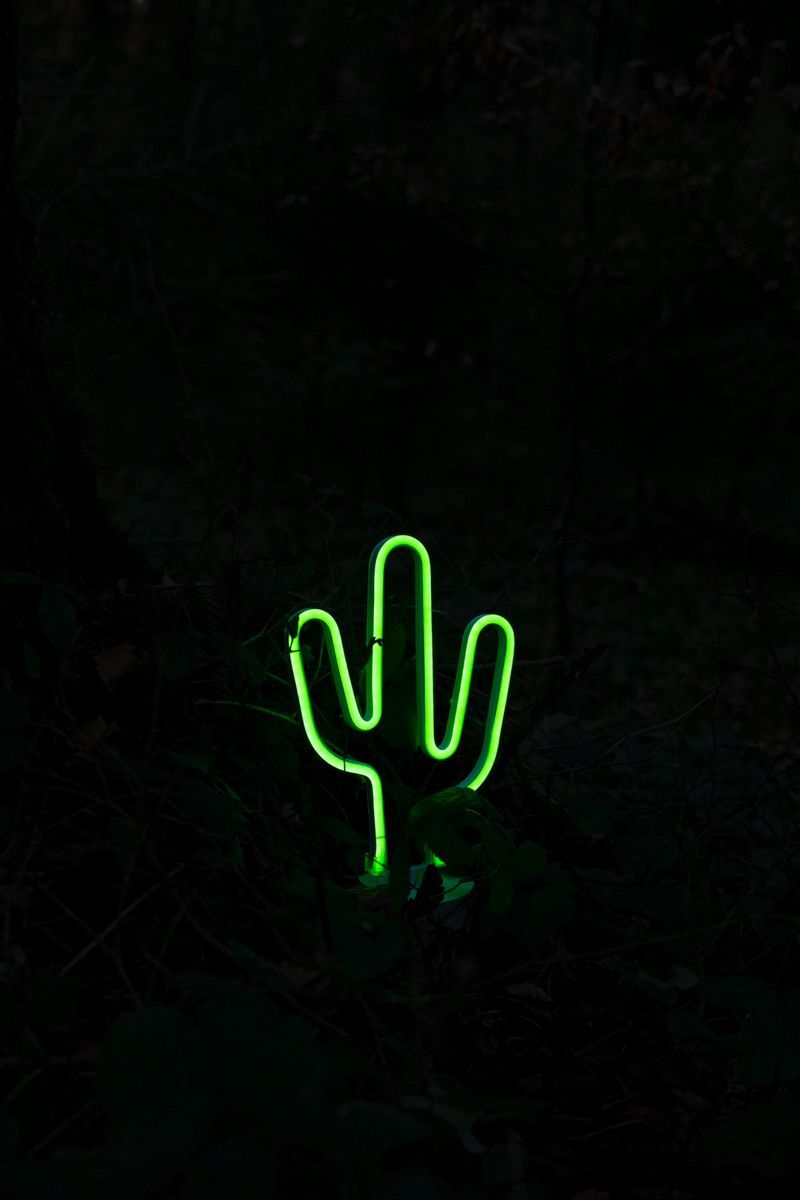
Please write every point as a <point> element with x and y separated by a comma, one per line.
<point>458,262</point>
<point>279,280</point>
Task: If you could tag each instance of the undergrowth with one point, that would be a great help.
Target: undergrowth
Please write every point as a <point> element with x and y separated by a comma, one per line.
<point>201,997</point>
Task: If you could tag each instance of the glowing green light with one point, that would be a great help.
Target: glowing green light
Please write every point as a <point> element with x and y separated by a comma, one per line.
<point>377,859</point>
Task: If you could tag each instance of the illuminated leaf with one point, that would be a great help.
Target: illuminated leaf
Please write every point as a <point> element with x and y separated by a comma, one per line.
<point>498,844</point>
<point>530,858</point>
<point>452,800</point>
<point>445,842</point>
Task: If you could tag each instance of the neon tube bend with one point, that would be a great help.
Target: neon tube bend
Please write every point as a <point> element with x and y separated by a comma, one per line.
<point>377,861</point>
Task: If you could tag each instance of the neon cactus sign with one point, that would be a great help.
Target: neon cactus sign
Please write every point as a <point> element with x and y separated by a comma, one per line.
<point>377,858</point>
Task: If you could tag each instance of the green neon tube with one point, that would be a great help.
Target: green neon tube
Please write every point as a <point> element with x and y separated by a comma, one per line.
<point>377,858</point>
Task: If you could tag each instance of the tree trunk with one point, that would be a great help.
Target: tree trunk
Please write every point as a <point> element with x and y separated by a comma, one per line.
<point>52,520</point>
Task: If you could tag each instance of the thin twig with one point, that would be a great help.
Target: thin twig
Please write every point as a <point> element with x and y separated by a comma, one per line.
<point>65,1124</point>
<point>100,937</point>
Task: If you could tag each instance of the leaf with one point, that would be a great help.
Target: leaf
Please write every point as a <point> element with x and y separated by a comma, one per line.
<point>684,1026</point>
<point>501,1166</point>
<point>682,978</point>
<point>177,654</point>
<point>530,858</point>
<point>31,661</point>
<point>437,818</point>
<point>235,1167</point>
<point>737,992</point>
<point>13,748</point>
<point>351,1063</point>
<point>58,620</point>
<point>413,1183</point>
<point>534,916</point>
<point>451,800</point>
<point>459,1119</point>
<point>501,890</point>
<point>92,732</point>
<point>429,891</point>
<point>447,844</point>
<point>367,1127</point>
<point>152,1145</point>
<point>771,1048</point>
<point>147,1055</point>
<point>341,832</point>
<point>651,985</point>
<point>115,662</point>
<point>264,1063</point>
<point>662,902</point>
<point>154,1085</point>
<point>367,948</point>
<point>9,1134</point>
<point>15,712</point>
<point>19,577</point>
<point>14,716</point>
<point>210,810</point>
<point>197,985</point>
<point>23,577</point>
<point>451,913</point>
<point>34,1180</point>
<point>193,762</point>
<point>497,843</point>
<point>764,1137</point>
<point>259,969</point>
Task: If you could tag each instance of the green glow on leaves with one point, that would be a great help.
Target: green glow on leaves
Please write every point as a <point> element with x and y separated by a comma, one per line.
<point>377,859</point>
